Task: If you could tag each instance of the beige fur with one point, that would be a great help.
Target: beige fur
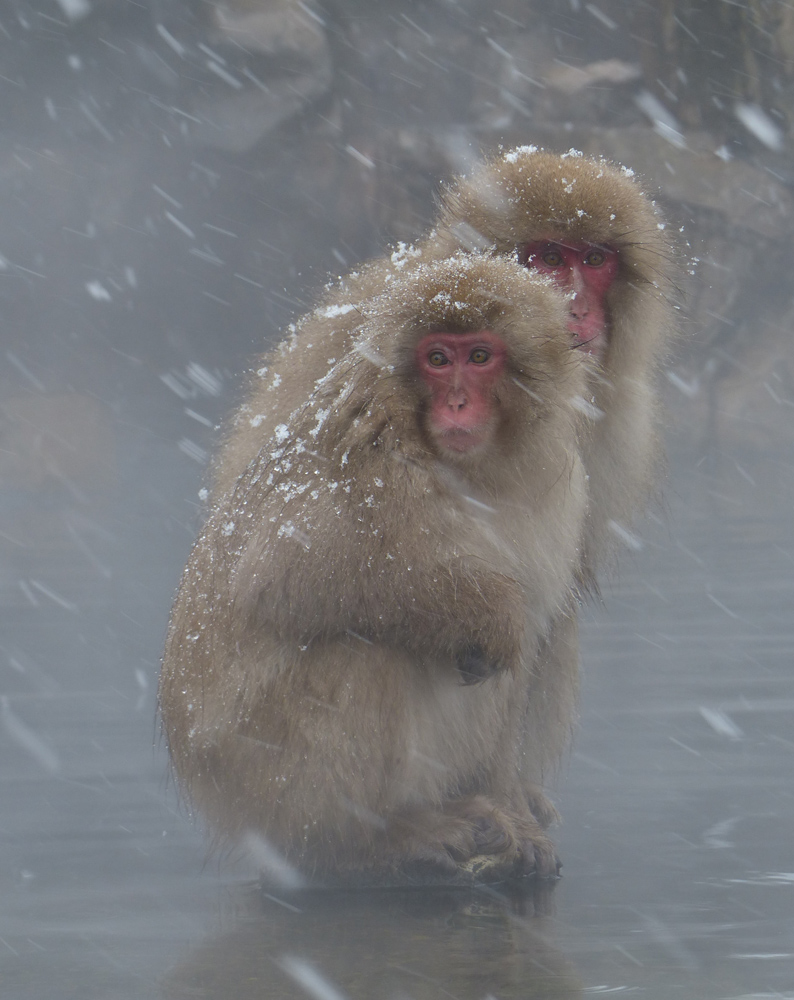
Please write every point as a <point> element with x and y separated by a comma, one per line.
<point>310,689</point>
<point>527,195</point>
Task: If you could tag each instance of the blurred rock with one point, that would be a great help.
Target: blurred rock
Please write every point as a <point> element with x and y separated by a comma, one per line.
<point>291,67</point>
<point>56,440</point>
<point>272,26</point>
<point>570,79</point>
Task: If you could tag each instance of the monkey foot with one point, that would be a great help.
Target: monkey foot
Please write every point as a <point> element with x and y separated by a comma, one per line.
<point>471,839</point>
<point>484,869</point>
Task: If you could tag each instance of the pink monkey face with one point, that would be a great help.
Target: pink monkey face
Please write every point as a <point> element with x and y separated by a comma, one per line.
<point>461,371</point>
<point>586,272</point>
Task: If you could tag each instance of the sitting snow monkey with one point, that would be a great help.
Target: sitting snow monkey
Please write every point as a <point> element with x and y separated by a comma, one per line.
<point>354,661</point>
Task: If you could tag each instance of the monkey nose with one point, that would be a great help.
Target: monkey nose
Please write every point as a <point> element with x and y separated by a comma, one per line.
<point>580,307</point>
<point>456,400</point>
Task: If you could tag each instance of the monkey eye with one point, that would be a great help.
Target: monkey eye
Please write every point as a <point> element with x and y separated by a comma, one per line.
<point>437,359</point>
<point>479,356</point>
<point>552,258</point>
<point>595,258</point>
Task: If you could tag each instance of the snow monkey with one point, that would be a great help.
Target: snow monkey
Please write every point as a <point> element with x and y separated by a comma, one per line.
<point>588,227</point>
<point>352,650</point>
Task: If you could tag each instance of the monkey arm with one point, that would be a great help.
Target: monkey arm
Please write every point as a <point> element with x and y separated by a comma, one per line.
<point>436,606</point>
<point>376,562</point>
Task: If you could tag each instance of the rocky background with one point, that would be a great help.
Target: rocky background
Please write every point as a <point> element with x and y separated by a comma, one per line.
<point>178,178</point>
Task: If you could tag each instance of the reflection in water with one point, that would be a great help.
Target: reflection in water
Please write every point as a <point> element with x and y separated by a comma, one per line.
<point>396,943</point>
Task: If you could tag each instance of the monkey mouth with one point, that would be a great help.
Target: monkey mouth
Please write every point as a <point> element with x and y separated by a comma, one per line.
<point>460,439</point>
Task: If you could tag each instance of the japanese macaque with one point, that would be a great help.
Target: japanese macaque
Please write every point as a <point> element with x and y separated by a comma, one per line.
<point>588,227</point>
<point>352,656</point>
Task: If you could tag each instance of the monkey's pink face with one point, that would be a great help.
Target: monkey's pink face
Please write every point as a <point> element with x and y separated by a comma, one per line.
<point>461,371</point>
<point>586,271</point>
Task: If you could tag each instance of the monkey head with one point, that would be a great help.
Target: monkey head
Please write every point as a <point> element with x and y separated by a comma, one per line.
<point>479,345</point>
<point>583,223</point>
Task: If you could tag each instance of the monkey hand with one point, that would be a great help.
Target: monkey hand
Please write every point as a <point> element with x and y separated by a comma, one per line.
<point>514,838</point>
<point>479,620</point>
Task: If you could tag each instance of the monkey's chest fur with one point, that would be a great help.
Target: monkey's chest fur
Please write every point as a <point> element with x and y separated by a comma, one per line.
<point>318,741</point>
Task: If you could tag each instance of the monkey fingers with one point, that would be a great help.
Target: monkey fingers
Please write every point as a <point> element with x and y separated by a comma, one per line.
<point>518,841</point>
<point>538,855</point>
<point>491,827</point>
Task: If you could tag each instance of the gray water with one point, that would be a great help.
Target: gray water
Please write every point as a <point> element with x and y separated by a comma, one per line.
<point>124,340</point>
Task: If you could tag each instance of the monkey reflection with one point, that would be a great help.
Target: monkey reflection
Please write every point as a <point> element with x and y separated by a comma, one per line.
<point>391,943</point>
<point>354,646</point>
